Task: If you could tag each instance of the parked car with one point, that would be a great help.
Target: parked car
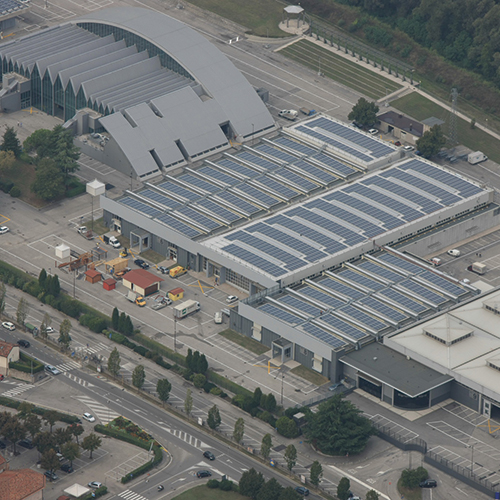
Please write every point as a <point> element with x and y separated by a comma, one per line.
<point>373,131</point>
<point>454,252</point>
<point>302,491</point>
<point>4,229</point>
<point>88,417</point>
<point>203,473</point>
<point>163,269</point>
<point>67,468</point>
<point>409,148</point>
<point>52,369</point>
<point>23,343</point>
<point>428,483</point>
<point>94,484</point>
<point>8,325</point>
<point>209,455</point>
<point>26,443</point>
<point>141,263</point>
<point>218,317</point>
<point>231,299</point>
<point>49,329</point>
<point>397,143</point>
<point>51,476</point>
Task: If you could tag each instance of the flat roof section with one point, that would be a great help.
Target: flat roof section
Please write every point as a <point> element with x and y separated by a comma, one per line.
<point>393,369</point>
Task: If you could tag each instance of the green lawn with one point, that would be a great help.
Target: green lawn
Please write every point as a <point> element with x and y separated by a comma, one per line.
<point>309,375</point>
<point>421,108</point>
<point>244,341</point>
<point>409,494</point>
<point>99,227</point>
<point>336,67</point>
<point>261,17</point>
<point>204,493</point>
<point>23,176</point>
<point>152,256</point>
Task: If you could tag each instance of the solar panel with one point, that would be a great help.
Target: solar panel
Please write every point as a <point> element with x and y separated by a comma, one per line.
<point>256,195</point>
<point>179,226</point>
<point>343,289</point>
<point>294,180</point>
<point>362,279</point>
<point>218,177</point>
<point>314,173</point>
<point>276,153</point>
<point>383,309</point>
<point>326,337</point>
<point>421,291</point>
<point>192,180</point>
<point>238,168</point>
<point>197,218</point>
<point>178,191</point>
<point>273,185</point>
<point>263,163</point>
<point>255,260</point>
<point>400,263</point>
<point>159,198</point>
<point>363,318</point>
<point>140,206</point>
<point>281,314</point>
<point>300,305</point>
<point>321,297</point>
<point>211,207</point>
<point>235,202</point>
<point>381,271</point>
<point>403,300</point>
<point>444,284</point>
<point>342,326</point>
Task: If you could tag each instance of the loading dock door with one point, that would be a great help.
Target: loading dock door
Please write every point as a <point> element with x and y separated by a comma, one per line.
<point>371,387</point>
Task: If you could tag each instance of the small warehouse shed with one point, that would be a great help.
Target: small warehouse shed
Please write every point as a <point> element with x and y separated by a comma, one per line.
<point>401,126</point>
<point>93,276</point>
<point>116,265</point>
<point>142,282</point>
<point>109,284</point>
<point>176,294</point>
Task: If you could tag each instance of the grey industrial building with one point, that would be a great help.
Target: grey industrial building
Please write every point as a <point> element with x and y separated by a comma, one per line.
<point>141,91</point>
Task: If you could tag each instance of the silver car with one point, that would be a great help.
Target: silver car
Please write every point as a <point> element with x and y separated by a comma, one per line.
<point>52,369</point>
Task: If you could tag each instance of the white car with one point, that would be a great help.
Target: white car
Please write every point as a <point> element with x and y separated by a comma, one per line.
<point>94,484</point>
<point>52,369</point>
<point>231,299</point>
<point>218,318</point>
<point>49,329</point>
<point>4,229</point>
<point>89,417</point>
<point>8,325</point>
<point>454,252</point>
<point>373,131</point>
<point>409,148</point>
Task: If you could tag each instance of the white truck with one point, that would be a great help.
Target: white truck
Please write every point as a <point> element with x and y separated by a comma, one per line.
<point>289,114</point>
<point>478,267</point>
<point>186,308</point>
<point>476,157</point>
<point>111,240</point>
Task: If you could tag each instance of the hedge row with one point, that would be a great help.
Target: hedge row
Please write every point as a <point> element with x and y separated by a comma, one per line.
<point>24,365</point>
<point>124,436</point>
<point>160,349</point>
<point>94,494</point>
<point>62,417</point>
<point>225,383</point>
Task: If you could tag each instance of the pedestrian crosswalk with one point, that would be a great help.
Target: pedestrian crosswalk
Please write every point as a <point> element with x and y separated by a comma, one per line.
<point>131,495</point>
<point>188,438</point>
<point>18,390</point>
<point>100,411</point>
<point>78,380</point>
<point>91,349</point>
<point>66,367</point>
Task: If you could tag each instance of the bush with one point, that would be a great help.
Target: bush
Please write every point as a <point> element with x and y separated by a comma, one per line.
<point>158,348</point>
<point>215,391</point>
<point>199,380</point>
<point>139,349</point>
<point>209,386</point>
<point>227,384</point>
<point>246,403</point>
<point>226,485</point>
<point>6,186</point>
<point>411,478</point>
<point>15,192</point>
<point>212,484</point>
<point>94,494</point>
<point>287,427</point>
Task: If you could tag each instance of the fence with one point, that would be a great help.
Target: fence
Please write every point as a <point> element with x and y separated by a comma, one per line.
<point>464,474</point>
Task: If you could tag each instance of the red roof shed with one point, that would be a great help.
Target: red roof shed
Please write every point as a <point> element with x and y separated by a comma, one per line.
<point>141,281</point>
<point>109,284</point>
<point>93,276</point>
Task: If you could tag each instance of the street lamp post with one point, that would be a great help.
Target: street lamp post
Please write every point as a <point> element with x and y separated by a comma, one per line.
<point>282,377</point>
<point>175,334</point>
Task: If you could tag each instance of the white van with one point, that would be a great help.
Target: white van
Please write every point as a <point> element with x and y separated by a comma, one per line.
<point>454,252</point>
<point>218,318</point>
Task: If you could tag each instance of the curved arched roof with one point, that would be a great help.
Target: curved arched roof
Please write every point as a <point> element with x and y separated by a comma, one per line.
<point>201,59</point>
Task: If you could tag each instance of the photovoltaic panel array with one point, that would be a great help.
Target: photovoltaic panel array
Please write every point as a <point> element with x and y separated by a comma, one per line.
<point>327,337</point>
<point>371,303</point>
<point>281,314</point>
<point>364,318</point>
<point>352,214</point>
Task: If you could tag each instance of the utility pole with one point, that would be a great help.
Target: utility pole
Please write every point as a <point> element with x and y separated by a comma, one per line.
<point>282,377</point>
<point>175,334</point>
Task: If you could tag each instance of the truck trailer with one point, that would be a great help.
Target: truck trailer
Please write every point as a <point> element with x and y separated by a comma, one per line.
<point>476,157</point>
<point>186,308</point>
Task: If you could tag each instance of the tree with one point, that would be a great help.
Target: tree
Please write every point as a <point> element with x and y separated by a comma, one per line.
<point>289,493</point>
<point>114,362</point>
<point>14,430</point>
<point>129,327</point>
<point>7,162</point>
<point>115,318</point>
<point>138,376</point>
<point>25,409</point>
<point>50,460</point>
<point>62,435</point>
<point>91,443</point>
<point>202,364</point>
<point>364,112</point>
<point>196,362</point>
<point>47,321</point>
<point>372,495</point>
<point>199,380</point>
<point>33,425</point>
<point>42,279</point>
<point>338,427</point>
<point>189,360</point>
<point>3,292</point>
<point>290,456</point>
<point>70,451</point>
<point>53,285</point>
<point>257,396</point>
<point>213,418</point>
<point>343,489</point>
<point>51,418</point>
<point>265,447</point>
<point>11,142</point>
<point>64,336</point>
<point>44,441</point>
<point>316,473</point>
<point>268,402</point>
<point>472,126</point>
<point>287,427</point>
<point>250,483</point>
<point>64,152</point>
<point>37,142</point>
<point>22,311</point>
<point>411,478</point>
<point>122,323</point>
<point>239,430</point>
<point>270,490</point>
<point>431,142</point>
<point>76,430</point>
<point>49,183</point>
<point>163,388</point>
<point>188,403</point>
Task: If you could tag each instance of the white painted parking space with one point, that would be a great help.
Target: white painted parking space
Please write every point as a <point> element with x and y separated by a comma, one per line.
<point>394,427</point>
<point>102,412</point>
